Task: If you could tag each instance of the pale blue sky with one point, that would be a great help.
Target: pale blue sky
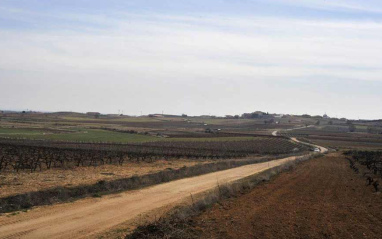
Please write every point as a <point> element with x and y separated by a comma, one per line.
<point>197,57</point>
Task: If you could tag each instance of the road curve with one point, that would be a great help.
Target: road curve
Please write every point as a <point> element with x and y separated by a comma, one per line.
<point>87,217</point>
<point>322,149</point>
<point>274,133</point>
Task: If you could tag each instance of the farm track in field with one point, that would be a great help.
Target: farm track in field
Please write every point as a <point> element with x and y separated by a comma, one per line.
<point>89,217</point>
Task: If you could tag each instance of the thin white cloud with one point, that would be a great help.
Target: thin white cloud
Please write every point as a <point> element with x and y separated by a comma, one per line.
<point>186,57</point>
<point>372,6</point>
<point>288,47</point>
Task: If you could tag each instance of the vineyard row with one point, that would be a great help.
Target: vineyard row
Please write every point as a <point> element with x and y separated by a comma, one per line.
<point>28,155</point>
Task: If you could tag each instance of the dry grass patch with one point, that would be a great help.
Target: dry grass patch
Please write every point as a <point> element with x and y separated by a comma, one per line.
<point>15,183</point>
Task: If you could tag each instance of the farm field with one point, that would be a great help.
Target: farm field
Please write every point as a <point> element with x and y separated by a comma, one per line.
<point>321,198</point>
<point>24,181</point>
<point>51,161</point>
<point>43,162</point>
<point>123,129</point>
<point>348,144</point>
<point>338,138</point>
<point>84,135</point>
<point>34,173</point>
<point>35,156</point>
<point>190,119</point>
<point>99,135</point>
<point>98,215</point>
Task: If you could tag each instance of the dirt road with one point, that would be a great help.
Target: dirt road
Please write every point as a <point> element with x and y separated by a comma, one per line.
<point>322,149</point>
<point>87,217</point>
<point>322,198</point>
<point>275,133</point>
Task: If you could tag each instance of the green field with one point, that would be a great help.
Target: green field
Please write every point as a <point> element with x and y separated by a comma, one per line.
<point>111,119</point>
<point>212,139</point>
<point>8,132</point>
<point>220,121</point>
<point>98,135</point>
<point>90,135</point>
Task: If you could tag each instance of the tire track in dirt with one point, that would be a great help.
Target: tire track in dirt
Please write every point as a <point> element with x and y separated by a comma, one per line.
<point>90,216</point>
<point>85,218</point>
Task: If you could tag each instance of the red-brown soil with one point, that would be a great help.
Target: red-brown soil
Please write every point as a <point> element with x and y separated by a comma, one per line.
<point>321,198</point>
<point>87,217</point>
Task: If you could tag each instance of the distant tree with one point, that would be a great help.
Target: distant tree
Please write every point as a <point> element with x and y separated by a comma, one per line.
<point>250,115</point>
<point>255,115</point>
<point>236,116</point>
<point>184,115</point>
<point>330,122</point>
<point>318,122</point>
<point>352,128</point>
